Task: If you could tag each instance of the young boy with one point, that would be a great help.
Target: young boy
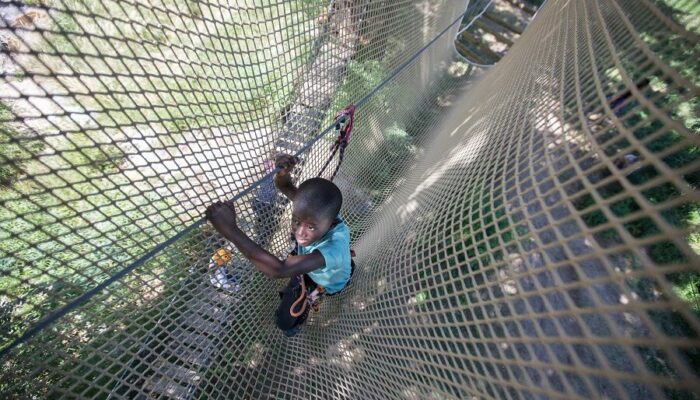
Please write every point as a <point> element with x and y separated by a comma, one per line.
<point>323,241</point>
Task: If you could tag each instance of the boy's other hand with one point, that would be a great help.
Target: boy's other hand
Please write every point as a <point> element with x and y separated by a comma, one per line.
<point>285,163</point>
<point>222,215</point>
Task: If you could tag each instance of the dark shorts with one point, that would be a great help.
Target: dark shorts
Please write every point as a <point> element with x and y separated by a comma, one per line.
<point>290,293</point>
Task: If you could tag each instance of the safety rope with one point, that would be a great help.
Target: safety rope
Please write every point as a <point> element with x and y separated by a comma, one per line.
<point>303,300</point>
<point>83,298</point>
<point>310,298</point>
<point>344,120</point>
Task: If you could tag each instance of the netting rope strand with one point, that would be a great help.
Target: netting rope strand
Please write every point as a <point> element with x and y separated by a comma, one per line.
<point>83,298</point>
<point>527,230</point>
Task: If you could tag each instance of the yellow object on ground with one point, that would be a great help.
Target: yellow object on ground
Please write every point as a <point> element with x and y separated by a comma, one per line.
<point>221,257</point>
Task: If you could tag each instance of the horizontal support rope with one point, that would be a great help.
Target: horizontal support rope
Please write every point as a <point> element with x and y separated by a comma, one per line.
<point>78,301</point>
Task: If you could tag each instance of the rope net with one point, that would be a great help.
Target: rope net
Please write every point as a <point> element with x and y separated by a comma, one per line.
<point>526,231</point>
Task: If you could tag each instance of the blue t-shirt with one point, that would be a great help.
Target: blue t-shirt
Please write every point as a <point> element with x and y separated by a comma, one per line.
<point>334,246</point>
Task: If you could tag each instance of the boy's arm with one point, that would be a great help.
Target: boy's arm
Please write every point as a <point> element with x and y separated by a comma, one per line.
<point>283,178</point>
<point>285,185</point>
<point>223,218</point>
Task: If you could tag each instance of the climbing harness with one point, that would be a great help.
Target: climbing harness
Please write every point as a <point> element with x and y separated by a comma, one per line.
<point>312,298</point>
<point>344,120</point>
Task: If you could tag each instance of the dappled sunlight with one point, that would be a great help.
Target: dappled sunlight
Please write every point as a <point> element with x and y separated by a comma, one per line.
<point>458,69</point>
<point>345,354</point>
<point>524,230</point>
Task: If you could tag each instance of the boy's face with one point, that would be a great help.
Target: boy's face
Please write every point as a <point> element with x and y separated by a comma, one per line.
<point>308,226</point>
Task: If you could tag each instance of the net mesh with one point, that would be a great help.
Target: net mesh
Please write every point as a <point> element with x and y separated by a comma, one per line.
<point>526,231</point>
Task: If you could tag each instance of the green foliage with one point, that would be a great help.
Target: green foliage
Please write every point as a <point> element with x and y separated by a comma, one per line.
<point>194,86</point>
<point>685,12</point>
<point>650,131</point>
<point>144,292</point>
<point>391,154</point>
<point>53,255</point>
<point>69,217</point>
<point>15,148</point>
<point>392,146</point>
<point>360,79</point>
<point>687,287</point>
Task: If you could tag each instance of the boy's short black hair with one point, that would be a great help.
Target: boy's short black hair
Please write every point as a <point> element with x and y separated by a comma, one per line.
<point>321,195</point>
